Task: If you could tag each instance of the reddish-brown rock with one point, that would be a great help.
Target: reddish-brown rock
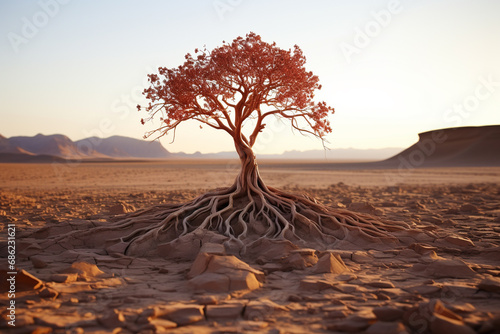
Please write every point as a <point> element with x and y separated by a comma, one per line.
<point>491,284</point>
<point>330,263</point>
<point>218,273</point>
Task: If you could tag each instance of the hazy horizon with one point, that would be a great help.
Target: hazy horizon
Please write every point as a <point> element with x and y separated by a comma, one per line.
<point>392,69</point>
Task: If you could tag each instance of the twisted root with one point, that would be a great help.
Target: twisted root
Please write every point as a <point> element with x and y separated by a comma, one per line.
<point>242,217</point>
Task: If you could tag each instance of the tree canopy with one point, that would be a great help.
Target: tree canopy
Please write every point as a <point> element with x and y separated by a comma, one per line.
<point>245,79</point>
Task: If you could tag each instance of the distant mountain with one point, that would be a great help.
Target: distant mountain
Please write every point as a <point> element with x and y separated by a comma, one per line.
<point>124,147</point>
<point>351,154</point>
<point>7,147</point>
<point>119,147</point>
<point>55,145</point>
<point>60,146</point>
<point>344,154</point>
<point>462,146</point>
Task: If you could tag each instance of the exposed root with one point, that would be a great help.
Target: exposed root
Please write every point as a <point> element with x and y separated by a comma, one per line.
<point>241,218</point>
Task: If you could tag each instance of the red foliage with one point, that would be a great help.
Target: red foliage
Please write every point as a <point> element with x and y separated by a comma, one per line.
<point>246,78</point>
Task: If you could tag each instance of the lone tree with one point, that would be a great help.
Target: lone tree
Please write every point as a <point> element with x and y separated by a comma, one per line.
<point>223,89</point>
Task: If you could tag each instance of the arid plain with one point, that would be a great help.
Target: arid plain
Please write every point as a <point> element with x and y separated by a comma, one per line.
<point>450,284</point>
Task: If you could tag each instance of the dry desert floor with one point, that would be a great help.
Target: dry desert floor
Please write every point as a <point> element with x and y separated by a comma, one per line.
<point>451,285</point>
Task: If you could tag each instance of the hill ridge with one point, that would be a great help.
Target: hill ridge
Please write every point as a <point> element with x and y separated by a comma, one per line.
<point>458,146</point>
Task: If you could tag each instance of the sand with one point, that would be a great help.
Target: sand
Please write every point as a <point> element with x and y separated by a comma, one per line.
<point>450,285</point>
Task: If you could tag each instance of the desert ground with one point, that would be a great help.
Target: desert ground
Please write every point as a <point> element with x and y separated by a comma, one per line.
<point>450,284</point>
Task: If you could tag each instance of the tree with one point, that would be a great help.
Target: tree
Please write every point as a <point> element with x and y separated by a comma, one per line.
<point>224,88</point>
<point>247,79</point>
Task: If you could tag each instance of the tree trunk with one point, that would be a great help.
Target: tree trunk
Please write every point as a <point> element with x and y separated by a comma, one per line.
<point>249,177</point>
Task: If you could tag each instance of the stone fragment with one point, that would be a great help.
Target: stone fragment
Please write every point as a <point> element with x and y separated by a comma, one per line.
<point>258,310</point>
<point>207,300</point>
<point>187,247</point>
<point>271,267</point>
<point>212,248</point>
<point>361,257</point>
<point>211,282</point>
<point>381,284</point>
<point>270,250</point>
<point>200,265</point>
<point>111,319</point>
<point>408,253</point>
<point>120,208</point>
<point>442,324</point>
<point>48,293</point>
<point>337,314</point>
<point>381,327</point>
<point>300,259</point>
<point>350,325</point>
<point>241,280</point>
<point>382,255</point>
<point>459,241</point>
<point>217,273</point>
<point>37,262</point>
<point>346,277</point>
<point>387,313</point>
<point>449,268</point>
<point>311,284</point>
<point>490,284</point>
<point>346,288</point>
<point>425,289</point>
<point>462,308</point>
<point>439,308</point>
<point>42,330</point>
<point>84,269</point>
<point>64,278</point>
<point>162,325</point>
<point>330,263</point>
<point>364,315</point>
<point>422,248</point>
<point>118,247</point>
<point>26,281</point>
<point>181,314</point>
<point>434,315</point>
<point>249,326</point>
<point>229,311</point>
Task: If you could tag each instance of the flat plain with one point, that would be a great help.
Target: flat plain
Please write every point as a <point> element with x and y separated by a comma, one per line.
<point>433,287</point>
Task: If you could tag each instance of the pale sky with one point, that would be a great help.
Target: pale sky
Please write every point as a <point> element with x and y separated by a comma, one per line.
<point>391,69</point>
